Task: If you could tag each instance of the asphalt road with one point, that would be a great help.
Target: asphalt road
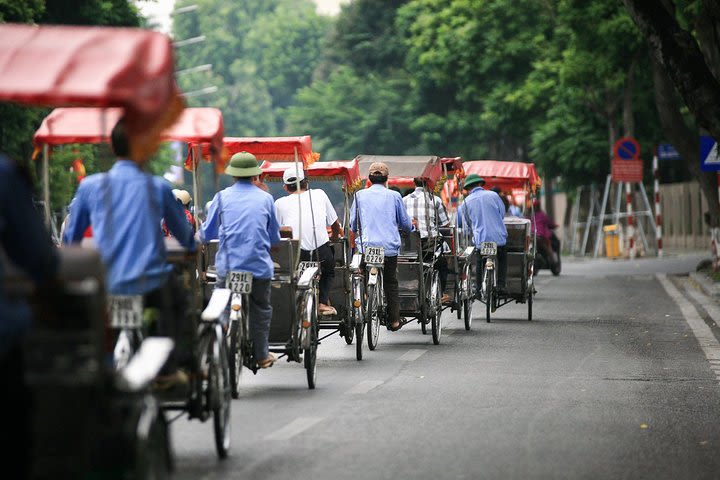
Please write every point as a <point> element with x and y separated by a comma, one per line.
<point>608,381</point>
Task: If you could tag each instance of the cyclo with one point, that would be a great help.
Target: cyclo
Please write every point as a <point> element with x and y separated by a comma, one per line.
<point>521,180</point>
<point>110,423</point>
<point>339,180</point>
<point>461,254</point>
<point>418,279</point>
<point>294,326</point>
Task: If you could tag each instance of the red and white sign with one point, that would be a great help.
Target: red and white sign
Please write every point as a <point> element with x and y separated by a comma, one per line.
<point>627,170</point>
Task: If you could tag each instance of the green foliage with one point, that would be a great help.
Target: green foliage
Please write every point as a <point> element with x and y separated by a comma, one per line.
<point>349,114</point>
<point>23,11</point>
<point>261,54</point>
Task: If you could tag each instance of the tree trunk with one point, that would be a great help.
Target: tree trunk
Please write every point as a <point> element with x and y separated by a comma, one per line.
<point>628,114</point>
<point>684,139</point>
<point>679,54</point>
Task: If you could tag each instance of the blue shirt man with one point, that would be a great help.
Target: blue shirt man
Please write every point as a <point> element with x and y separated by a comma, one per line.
<point>483,211</point>
<point>243,218</point>
<point>376,216</point>
<point>126,207</point>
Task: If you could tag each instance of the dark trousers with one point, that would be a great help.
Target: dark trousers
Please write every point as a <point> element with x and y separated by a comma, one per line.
<point>260,314</point>
<point>501,266</point>
<point>326,256</point>
<point>172,320</point>
<point>390,283</point>
<point>17,425</point>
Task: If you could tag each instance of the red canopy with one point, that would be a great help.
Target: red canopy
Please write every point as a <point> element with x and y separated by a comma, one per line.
<point>505,175</point>
<point>348,170</point>
<point>93,66</point>
<point>93,125</point>
<point>404,168</point>
<point>272,149</point>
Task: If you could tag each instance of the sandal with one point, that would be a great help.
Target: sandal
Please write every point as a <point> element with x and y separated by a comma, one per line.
<point>268,362</point>
<point>395,329</point>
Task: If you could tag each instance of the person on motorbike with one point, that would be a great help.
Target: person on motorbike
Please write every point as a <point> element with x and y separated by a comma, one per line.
<point>126,207</point>
<point>543,227</point>
<point>376,216</point>
<point>483,212</point>
<point>243,218</point>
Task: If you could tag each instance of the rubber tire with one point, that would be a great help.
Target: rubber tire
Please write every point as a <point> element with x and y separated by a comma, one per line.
<point>221,420</point>
<point>373,324</point>
<point>467,313</point>
<point>436,318</point>
<point>154,456</point>
<point>423,323</point>
<point>310,359</point>
<point>349,333</point>
<point>235,363</point>
<point>556,268</point>
<point>359,334</point>
<point>530,305</point>
<point>490,296</point>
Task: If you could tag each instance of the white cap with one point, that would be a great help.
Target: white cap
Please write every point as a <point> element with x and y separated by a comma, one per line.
<point>293,174</point>
<point>182,195</point>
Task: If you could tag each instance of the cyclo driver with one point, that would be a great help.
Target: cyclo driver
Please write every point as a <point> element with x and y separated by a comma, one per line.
<point>484,210</point>
<point>243,217</point>
<point>376,216</point>
<point>126,207</point>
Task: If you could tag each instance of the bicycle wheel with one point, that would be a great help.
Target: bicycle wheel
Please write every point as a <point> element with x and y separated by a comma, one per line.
<point>467,313</point>
<point>373,324</point>
<point>530,302</point>
<point>489,293</point>
<point>310,358</point>
<point>359,319</point>
<point>235,357</point>
<point>436,309</point>
<point>348,331</point>
<point>220,394</point>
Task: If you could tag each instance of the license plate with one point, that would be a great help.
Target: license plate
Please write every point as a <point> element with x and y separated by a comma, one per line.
<point>240,282</point>
<point>375,255</point>
<point>305,265</point>
<point>126,311</point>
<point>488,248</point>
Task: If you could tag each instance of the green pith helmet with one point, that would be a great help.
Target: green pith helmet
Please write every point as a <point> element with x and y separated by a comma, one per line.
<point>473,180</point>
<point>243,164</point>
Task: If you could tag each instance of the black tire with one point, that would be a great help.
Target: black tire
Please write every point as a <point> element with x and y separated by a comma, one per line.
<point>373,324</point>
<point>436,318</point>
<point>489,294</point>
<point>349,332</point>
<point>310,359</point>
<point>423,322</point>
<point>359,333</point>
<point>154,459</point>
<point>530,305</point>
<point>556,267</point>
<point>458,309</point>
<point>219,381</point>
<point>235,358</point>
<point>467,313</point>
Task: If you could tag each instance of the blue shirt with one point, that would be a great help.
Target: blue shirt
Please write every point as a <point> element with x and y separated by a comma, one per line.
<point>28,246</point>
<point>382,215</point>
<point>243,217</point>
<point>125,207</point>
<point>485,211</point>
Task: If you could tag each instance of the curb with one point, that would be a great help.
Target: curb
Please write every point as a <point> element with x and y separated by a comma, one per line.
<point>707,285</point>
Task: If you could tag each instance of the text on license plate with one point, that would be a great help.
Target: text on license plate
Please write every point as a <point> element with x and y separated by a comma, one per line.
<point>302,266</point>
<point>240,282</point>
<point>375,255</point>
<point>126,311</point>
<point>488,248</point>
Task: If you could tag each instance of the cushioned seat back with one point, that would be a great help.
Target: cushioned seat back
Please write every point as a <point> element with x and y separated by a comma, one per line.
<point>518,230</point>
<point>283,257</point>
<point>409,246</point>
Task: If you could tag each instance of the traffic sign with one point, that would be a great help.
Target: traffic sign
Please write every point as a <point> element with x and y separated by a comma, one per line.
<point>666,151</point>
<point>709,158</point>
<point>627,148</point>
<point>630,171</point>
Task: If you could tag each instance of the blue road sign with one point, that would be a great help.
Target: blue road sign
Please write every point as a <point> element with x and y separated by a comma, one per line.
<point>709,158</point>
<point>667,152</point>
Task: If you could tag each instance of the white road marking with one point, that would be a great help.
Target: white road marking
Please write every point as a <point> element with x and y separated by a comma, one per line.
<point>412,355</point>
<point>710,308</point>
<point>364,387</point>
<point>293,428</point>
<point>709,344</point>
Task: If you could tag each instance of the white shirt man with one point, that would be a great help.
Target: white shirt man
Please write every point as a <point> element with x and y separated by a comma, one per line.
<point>314,210</point>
